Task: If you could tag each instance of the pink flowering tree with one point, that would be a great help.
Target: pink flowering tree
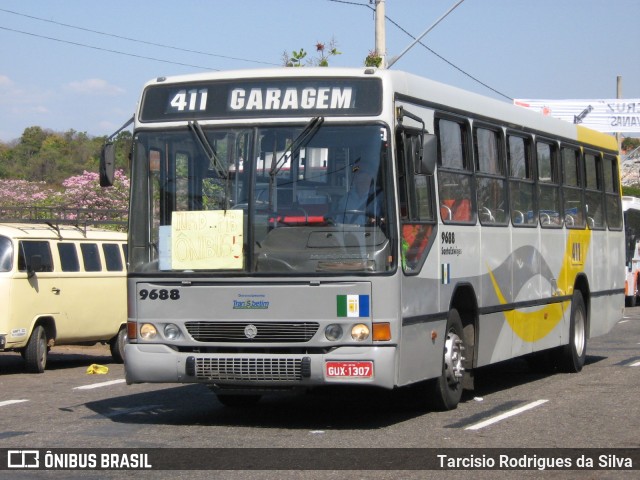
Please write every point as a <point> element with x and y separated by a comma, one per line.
<point>20,193</point>
<point>81,199</point>
<point>84,193</point>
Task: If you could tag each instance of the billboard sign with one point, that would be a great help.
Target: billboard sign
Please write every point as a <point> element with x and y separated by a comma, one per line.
<point>608,116</point>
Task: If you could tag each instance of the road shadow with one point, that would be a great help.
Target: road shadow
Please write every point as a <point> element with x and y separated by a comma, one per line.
<point>350,408</point>
<point>514,372</point>
<point>59,358</point>
<point>336,408</point>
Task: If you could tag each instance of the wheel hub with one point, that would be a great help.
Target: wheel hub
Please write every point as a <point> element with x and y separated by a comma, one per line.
<point>453,358</point>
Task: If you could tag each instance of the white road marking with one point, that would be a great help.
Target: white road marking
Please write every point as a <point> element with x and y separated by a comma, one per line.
<point>11,402</point>
<point>98,385</point>
<point>508,414</point>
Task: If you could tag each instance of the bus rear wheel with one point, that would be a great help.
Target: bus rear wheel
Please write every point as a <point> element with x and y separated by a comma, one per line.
<point>571,357</point>
<point>35,353</point>
<point>446,390</point>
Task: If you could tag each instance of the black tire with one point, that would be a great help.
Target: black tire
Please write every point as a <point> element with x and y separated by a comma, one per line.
<point>35,353</point>
<point>446,390</point>
<point>229,400</point>
<point>630,301</point>
<point>116,345</point>
<point>571,357</point>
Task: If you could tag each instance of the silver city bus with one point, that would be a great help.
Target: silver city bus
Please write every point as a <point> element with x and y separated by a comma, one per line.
<point>292,228</point>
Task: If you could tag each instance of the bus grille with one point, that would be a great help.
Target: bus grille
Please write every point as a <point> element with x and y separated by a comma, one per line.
<point>256,369</point>
<point>279,332</point>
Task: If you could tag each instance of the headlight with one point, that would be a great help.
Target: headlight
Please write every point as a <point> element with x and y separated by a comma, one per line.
<point>171,331</point>
<point>360,332</point>
<point>333,332</point>
<point>148,331</point>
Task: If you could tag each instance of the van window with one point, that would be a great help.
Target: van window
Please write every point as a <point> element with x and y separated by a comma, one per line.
<point>90,257</point>
<point>69,257</point>
<point>112,257</point>
<point>29,249</point>
<point>6,254</point>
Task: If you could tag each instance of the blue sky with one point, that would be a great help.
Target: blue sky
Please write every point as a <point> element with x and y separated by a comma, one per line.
<point>74,79</point>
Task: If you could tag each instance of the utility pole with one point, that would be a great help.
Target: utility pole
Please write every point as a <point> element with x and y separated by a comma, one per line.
<point>381,49</point>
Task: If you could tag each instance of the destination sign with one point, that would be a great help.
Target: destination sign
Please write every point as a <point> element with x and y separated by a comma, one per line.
<point>283,97</point>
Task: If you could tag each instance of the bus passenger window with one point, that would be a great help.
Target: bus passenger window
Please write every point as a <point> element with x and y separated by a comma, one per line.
<point>594,197</point>
<point>490,183</point>
<point>572,188</point>
<point>521,184</point>
<point>454,173</point>
<point>548,185</point>
<point>612,192</point>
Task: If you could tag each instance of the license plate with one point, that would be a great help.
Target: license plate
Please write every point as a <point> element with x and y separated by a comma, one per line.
<point>349,369</point>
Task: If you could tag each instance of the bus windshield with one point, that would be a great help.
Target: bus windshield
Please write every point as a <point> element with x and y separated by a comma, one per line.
<point>307,199</point>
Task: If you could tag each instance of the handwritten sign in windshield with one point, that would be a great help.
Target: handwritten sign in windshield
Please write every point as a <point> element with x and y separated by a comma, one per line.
<point>206,240</point>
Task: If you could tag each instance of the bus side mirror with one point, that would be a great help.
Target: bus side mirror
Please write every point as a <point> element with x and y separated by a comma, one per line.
<point>425,162</point>
<point>107,164</point>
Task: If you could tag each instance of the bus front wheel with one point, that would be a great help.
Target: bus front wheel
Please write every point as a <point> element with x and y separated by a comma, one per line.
<point>446,390</point>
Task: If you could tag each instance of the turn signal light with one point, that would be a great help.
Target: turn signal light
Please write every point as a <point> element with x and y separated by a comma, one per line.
<point>132,332</point>
<point>381,331</point>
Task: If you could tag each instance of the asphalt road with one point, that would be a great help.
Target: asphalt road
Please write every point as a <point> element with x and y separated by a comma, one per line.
<point>512,406</point>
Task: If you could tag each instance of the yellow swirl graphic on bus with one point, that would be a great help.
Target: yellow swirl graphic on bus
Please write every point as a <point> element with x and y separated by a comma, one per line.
<point>533,326</point>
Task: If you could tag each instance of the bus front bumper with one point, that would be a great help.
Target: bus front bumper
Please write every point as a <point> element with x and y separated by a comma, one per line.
<point>367,365</point>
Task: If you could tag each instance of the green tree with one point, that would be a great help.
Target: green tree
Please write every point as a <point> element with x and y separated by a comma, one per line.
<point>630,143</point>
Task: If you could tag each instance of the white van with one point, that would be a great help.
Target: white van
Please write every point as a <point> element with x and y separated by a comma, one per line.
<point>61,285</point>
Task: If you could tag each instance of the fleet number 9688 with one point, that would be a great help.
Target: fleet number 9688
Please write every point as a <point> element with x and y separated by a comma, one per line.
<point>159,294</point>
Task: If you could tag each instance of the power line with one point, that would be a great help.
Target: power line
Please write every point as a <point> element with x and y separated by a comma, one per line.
<point>451,64</point>
<point>104,49</point>
<point>136,40</point>
<point>429,49</point>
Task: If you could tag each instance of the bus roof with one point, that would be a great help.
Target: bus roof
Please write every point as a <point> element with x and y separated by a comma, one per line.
<point>422,90</point>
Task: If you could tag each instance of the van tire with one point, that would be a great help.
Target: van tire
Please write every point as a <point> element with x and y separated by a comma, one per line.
<point>117,344</point>
<point>35,353</point>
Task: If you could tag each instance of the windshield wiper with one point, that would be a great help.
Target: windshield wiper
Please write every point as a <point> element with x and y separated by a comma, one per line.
<point>305,135</point>
<point>219,167</point>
